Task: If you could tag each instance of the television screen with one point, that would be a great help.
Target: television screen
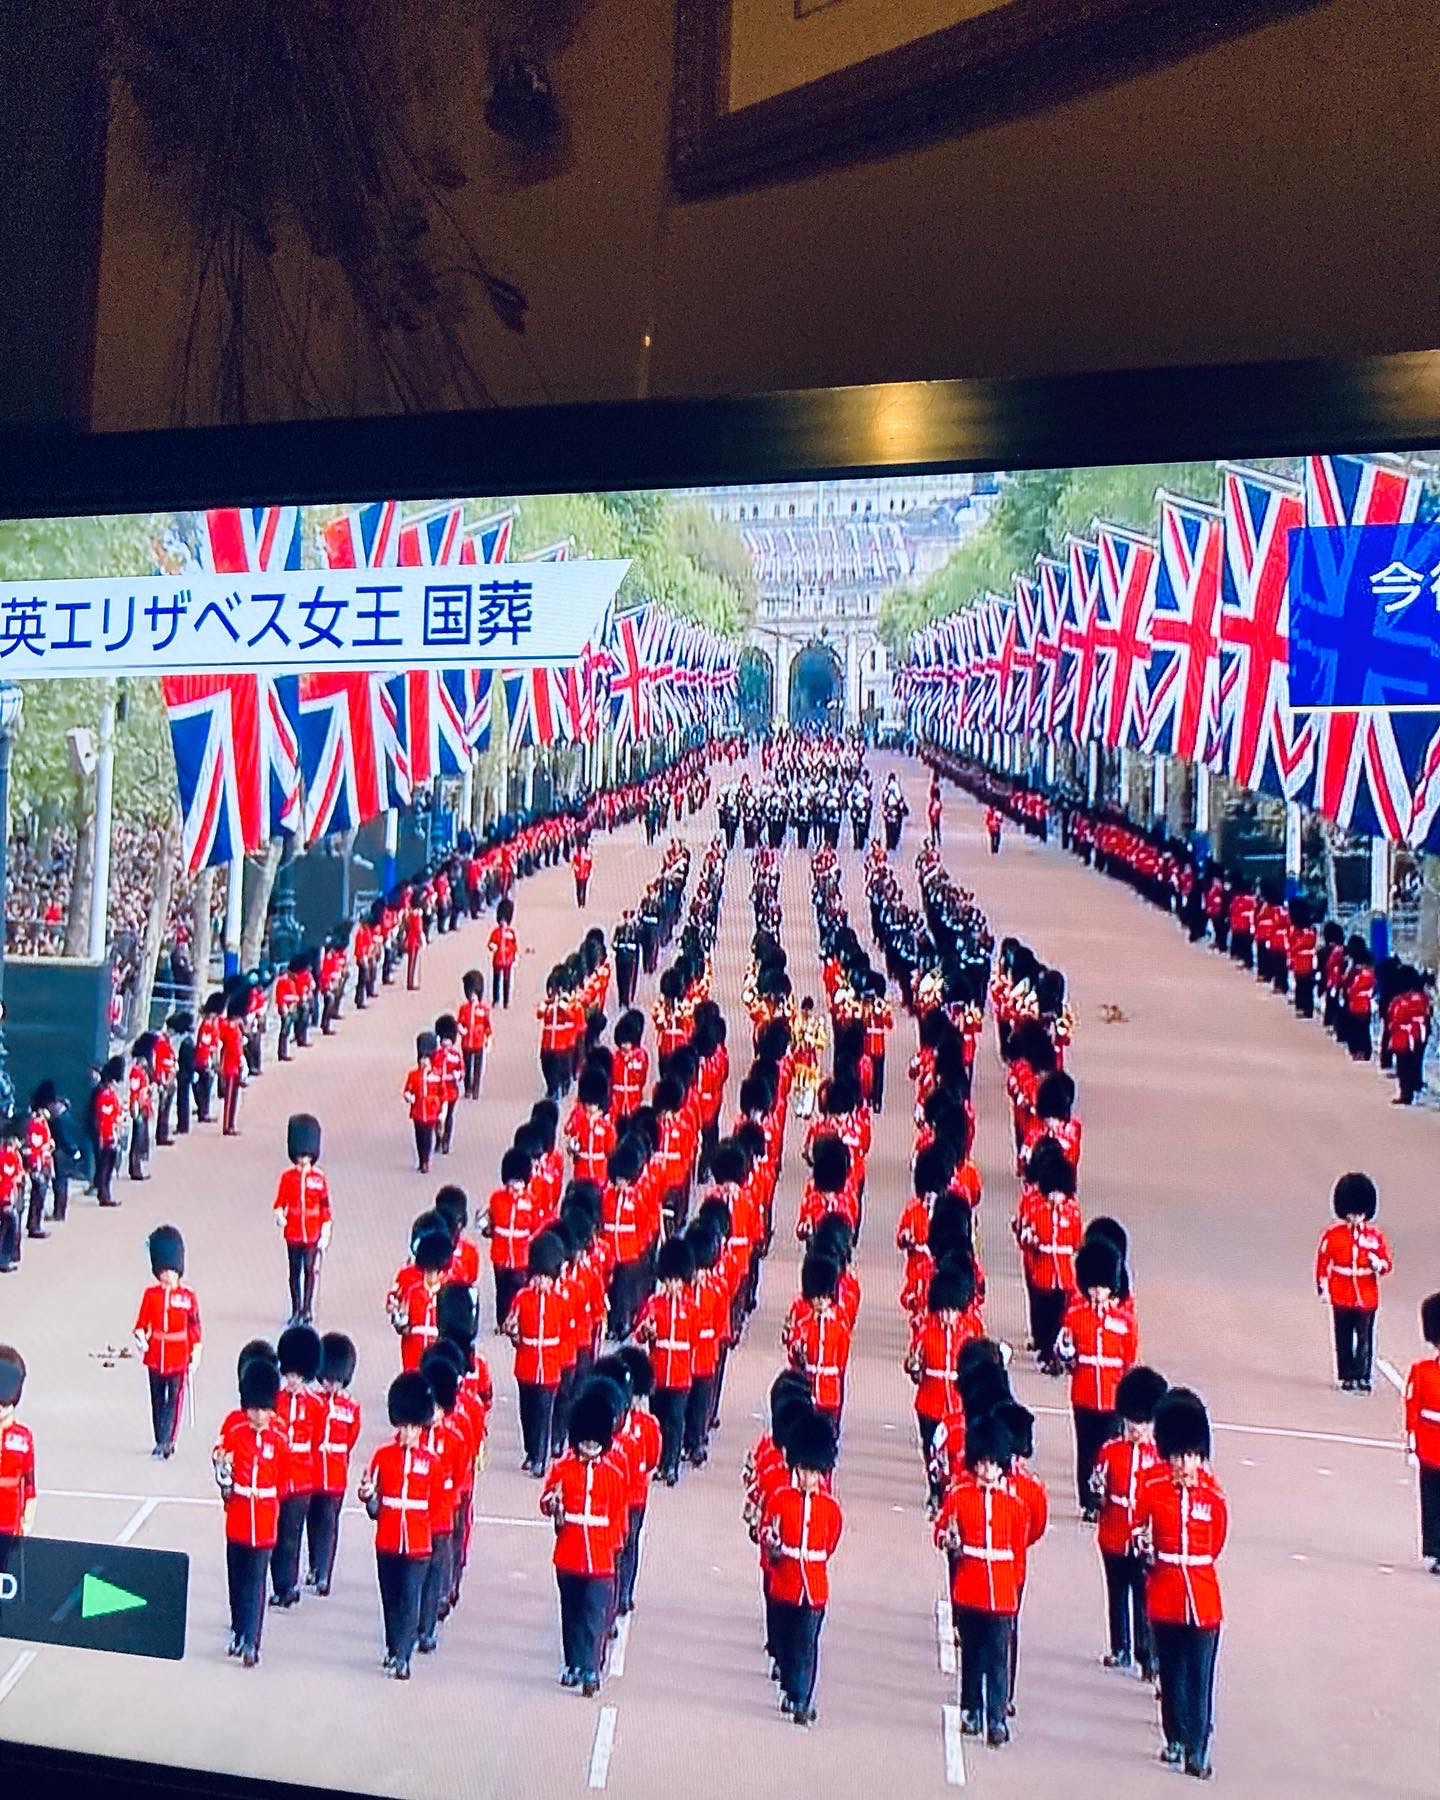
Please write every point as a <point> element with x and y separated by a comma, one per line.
<point>764,1137</point>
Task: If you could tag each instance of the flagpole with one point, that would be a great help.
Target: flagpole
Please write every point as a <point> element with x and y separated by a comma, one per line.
<point>1157,789</point>
<point>1380,855</point>
<point>234,910</point>
<point>392,848</point>
<point>1292,844</point>
<point>1202,805</point>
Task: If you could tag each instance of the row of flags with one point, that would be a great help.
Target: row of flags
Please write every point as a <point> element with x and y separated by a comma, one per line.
<point>1178,644</point>
<point>259,756</point>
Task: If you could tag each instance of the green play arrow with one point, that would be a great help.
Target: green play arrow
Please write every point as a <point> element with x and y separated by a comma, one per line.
<point>97,1598</point>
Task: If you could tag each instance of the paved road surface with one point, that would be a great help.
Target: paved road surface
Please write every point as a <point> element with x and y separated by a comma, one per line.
<point>1215,1125</point>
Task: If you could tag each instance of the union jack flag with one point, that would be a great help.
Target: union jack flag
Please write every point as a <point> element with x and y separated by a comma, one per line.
<point>1026,616</point>
<point>1361,778</point>
<point>351,752</point>
<point>1055,662</point>
<point>538,707</point>
<point>1267,746</point>
<point>1081,636</point>
<point>629,696</point>
<point>658,650</point>
<point>1182,701</point>
<point>1126,563</point>
<point>488,541</point>
<point>366,538</point>
<point>215,731</point>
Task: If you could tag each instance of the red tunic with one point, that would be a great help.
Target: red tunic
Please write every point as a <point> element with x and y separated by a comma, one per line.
<point>402,1479</point>
<point>424,1090</point>
<point>993,1525</point>
<point>254,1469</point>
<point>1100,1343</point>
<point>1349,1263</point>
<point>1120,1469</point>
<point>593,1502</point>
<point>339,1433</point>
<point>303,1199</point>
<point>17,1476</point>
<point>511,1226</point>
<point>169,1321</point>
<point>801,1533</point>
<point>1186,1529</point>
<point>668,1323</point>
<point>537,1328</point>
<point>1422,1411</point>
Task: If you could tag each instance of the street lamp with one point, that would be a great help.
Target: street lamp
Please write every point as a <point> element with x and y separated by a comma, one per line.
<point>12,704</point>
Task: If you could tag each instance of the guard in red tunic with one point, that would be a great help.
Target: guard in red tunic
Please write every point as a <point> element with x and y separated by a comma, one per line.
<point>232,1062</point>
<point>992,828</point>
<point>141,1105</point>
<point>395,1491</point>
<point>1407,1029</point>
<point>587,1498</point>
<point>424,1095</point>
<point>1181,1521</point>
<point>300,1415</point>
<point>1303,955</point>
<point>1121,1467</point>
<point>1049,1229</point>
<point>581,865</point>
<point>412,932</point>
<point>475,1031</point>
<point>414,1295</point>
<point>502,952</point>
<point>251,1467</point>
<point>630,1069</point>
<point>108,1110</point>
<point>1359,1000</point>
<point>17,1454</point>
<point>536,1325</point>
<point>287,1004</point>
<point>207,1054</point>
<point>38,1154</point>
<point>639,1432</point>
<point>799,1533</point>
<point>510,1224</point>
<point>1349,1265</point>
<point>1097,1343</point>
<point>589,1133</point>
<point>942,1331</point>
<point>167,1334</point>
<point>667,1326</point>
<point>450,1062</point>
<point>302,1214</point>
<point>165,1067</point>
<point>339,1434</point>
<point>1422,1430</point>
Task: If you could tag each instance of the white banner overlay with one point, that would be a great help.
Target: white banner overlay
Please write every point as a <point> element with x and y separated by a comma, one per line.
<point>305,621</point>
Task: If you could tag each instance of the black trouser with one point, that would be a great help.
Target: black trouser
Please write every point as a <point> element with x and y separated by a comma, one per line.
<point>9,1236</point>
<point>928,1428</point>
<point>795,1645</point>
<point>553,1071</point>
<point>877,1083</point>
<point>62,1196</point>
<point>1354,1343</point>
<point>537,1411</point>
<point>1279,973</point>
<point>585,1603</point>
<point>627,1563</point>
<point>1430,1511</point>
<point>472,896</point>
<point>1186,1658</point>
<point>984,1662</point>
<point>35,1211</point>
<point>285,1557</point>
<point>1357,1035</point>
<point>1125,1603</point>
<point>107,1160</point>
<point>1305,996</point>
<point>435,1588</point>
<point>139,1146</point>
<point>322,1534</point>
<point>1410,1070</point>
<point>245,1576</point>
<point>698,1407</point>
<point>446,1135</point>
<point>1092,1429</point>
<point>650,948</point>
<point>459,1544</point>
<point>668,1405</point>
<point>230,1100</point>
<point>500,987</point>
<point>401,1579</point>
<point>582,888</point>
<point>424,1143</point>
<point>329,1013</point>
<point>255,1051</point>
<point>166,1107</point>
<point>1220,925</point>
<point>302,1024</point>
<point>184,1099</point>
<point>1242,948</point>
<point>560,1412</point>
<point>387,964</point>
<point>627,970</point>
<point>508,1283</point>
<point>1047,1309</point>
<point>304,1260</point>
<point>994,843</point>
<point>627,1285</point>
<point>474,1073</point>
<point>166,1393</point>
<point>287,1027</point>
<point>204,1090</point>
<point>412,967</point>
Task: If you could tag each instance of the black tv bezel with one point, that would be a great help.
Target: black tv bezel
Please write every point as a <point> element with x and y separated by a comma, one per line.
<point>1136,416</point>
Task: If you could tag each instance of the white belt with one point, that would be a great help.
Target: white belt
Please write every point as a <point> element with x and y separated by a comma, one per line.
<point>1054,1249</point>
<point>512,1231</point>
<point>305,1445</point>
<point>254,1493</point>
<point>671,1344</point>
<point>587,1518</point>
<point>1102,1362</point>
<point>329,1449</point>
<point>420,1331</point>
<point>1433,1417</point>
<point>801,1555</point>
<point>981,1554</point>
<point>1350,1270</point>
<point>539,1343</point>
<point>826,1369</point>
<point>939,1374</point>
<point>1189,1562</point>
<point>402,1505</point>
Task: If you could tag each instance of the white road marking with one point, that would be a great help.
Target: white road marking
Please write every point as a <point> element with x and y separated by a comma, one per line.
<point>136,1520</point>
<point>21,1663</point>
<point>603,1747</point>
<point>151,1501</point>
<point>1272,1431</point>
<point>617,1649</point>
<point>1391,1374</point>
<point>954,1746</point>
<point>945,1637</point>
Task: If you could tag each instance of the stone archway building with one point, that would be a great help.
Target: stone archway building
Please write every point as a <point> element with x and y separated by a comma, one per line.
<point>825,553</point>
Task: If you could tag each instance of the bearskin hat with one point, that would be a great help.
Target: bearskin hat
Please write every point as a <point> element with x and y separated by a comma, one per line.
<point>447,1028</point>
<point>987,1441</point>
<point>1430,1319</point>
<point>977,1353</point>
<point>728,1163</point>
<point>832,1237</point>
<point>669,1096</point>
<point>181,1023</point>
<point>1140,1391</point>
<point>1301,913</point>
<point>545,1119</point>
<point>614,1368</point>
<point>114,1070</point>
<point>810,1442</point>
<point>438,1368</point>
<point>455,1312</point>
<point>302,1137</point>
<point>630,1027</point>
<point>432,1247</point>
<point>594,1087</point>
<point>934,1166</point>
<point>1182,1426</point>
<point>613,1391</point>
<point>592,1416</point>
<point>1355,1196</point>
<point>562,1229</point>
<point>819,1277</point>
<point>676,1261</point>
<point>453,1206</point>
<point>473,984</point>
<point>259,1385</point>
<point>628,1158</point>
<point>460,1356</point>
<point>167,1250</point>
<point>1055,1096</point>
<point>1096,1266</point>
<point>44,1097</point>
<point>337,1358</point>
<point>951,1289</point>
<point>298,1350</point>
<point>950,1215</point>
<point>642,1373</point>
<point>600,1056</point>
<point>143,1048</point>
<point>714,1214</point>
<point>773,1043</point>
<point>215,1003</point>
<point>547,1255</point>
<point>515,1165</point>
<point>237,1006</point>
<point>983,1387</point>
<point>1050,1169</point>
<point>755,1097</point>
<point>505,911</point>
<point>789,1386</point>
<point>410,1400</point>
<point>257,1347</point>
<point>12,1375</point>
<point>426,1044</point>
<point>830,1164</point>
<point>1019,1424</point>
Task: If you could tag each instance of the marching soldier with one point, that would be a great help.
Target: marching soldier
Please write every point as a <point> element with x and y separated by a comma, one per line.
<point>1121,1468</point>
<point>180,1027</point>
<point>992,828</point>
<point>339,1433</point>
<point>1098,1342</point>
<point>502,953</point>
<point>475,1031</point>
<point>107,1112</point>
<point>799,1533</point>
<point>206,1055</point>
<point>667,1325</point>
<point>38,1151</point>
<point>424,1095</point>
<point>164,1064</point>
<point>1422,1430</point>
<point>450,1063</point>
<point>300,1416</point>
<point>1349,1265</point>
<point>395,1492</point>
<point>232,1062</point>
<point>287,1004</point>
<point>167,1334</point>
<point>587,1498</point>
<point>1407,1030</point>
<point>142,1104</point>
<point>581,865</point>
<point>17,1455</point>
<point>536,1325</point>
<point>302,1213</point>
<point>251,1469</point>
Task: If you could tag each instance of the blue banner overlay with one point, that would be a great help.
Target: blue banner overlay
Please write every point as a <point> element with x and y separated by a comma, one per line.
<point>1365,617</point>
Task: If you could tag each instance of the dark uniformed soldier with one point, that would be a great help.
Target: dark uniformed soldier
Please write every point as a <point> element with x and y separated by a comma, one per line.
<point>626,944</point>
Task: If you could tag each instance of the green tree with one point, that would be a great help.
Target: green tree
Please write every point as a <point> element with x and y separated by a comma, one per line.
<point>1125,495</point>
